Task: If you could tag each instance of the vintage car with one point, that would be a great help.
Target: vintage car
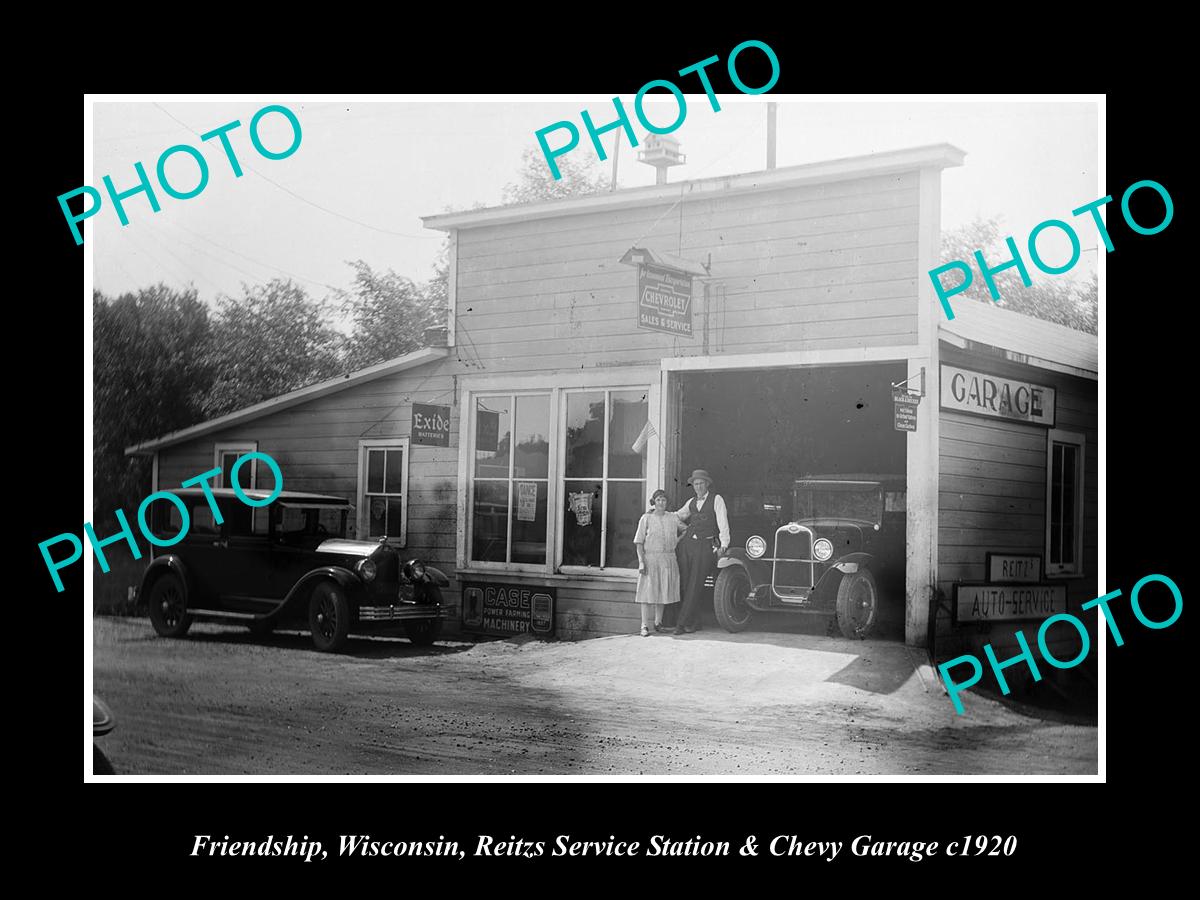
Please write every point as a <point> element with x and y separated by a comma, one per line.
<point>102,723</point>
<point>839,550</point>
<point>285,563</point>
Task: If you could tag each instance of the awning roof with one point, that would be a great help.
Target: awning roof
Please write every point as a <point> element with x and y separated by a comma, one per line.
<point>1023,339</point>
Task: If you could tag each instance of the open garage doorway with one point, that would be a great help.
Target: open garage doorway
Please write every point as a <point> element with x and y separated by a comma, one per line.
<point>761,433</point>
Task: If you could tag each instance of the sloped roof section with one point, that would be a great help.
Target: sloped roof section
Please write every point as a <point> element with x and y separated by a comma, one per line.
<point>294,398</point>
<point>1024,339</point>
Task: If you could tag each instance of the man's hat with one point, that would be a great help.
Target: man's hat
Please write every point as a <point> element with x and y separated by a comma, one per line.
<point>701,473</point>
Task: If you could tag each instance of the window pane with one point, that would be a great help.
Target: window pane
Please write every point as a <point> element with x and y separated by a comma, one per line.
<point>202,520</point>
<point>529,521</point>
<point>1070,452</point>
<point>239,517</point>
<point>376,517</point>
<point>581,523</point>
<point>393,482</point>
<point>625,509</point>
<point>532,433</point>
<point>227,461</point>
<point>394,513</point>
<point>1056,462</point>
<point>489,528</point>
<point>375,471</point>
<point>585,435</point>
<point>492,430</point>
<point>629,414</point>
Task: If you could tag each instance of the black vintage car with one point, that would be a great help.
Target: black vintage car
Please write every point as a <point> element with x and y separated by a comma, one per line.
<point>285,563</point>
<point>839,550</point>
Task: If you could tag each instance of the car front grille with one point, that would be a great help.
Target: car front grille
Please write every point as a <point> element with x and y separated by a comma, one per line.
<point>792,575</point>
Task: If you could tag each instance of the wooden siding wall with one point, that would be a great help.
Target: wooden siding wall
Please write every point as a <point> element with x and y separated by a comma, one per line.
<point>992,496</point>
<point>816,267</point>
<point>316,446</point>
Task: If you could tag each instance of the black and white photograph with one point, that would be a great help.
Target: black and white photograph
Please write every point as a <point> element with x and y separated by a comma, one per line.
<point>705,434</point>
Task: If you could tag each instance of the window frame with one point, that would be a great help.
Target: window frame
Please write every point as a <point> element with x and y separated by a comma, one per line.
<point>241,448</point>
<point>1079,441</point>
<point>556,385</point>
<point>551,494</point>
<point>605,480</point>
<point>360,496</point>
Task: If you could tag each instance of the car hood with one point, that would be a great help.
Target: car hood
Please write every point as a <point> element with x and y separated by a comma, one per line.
<point>346,547</point>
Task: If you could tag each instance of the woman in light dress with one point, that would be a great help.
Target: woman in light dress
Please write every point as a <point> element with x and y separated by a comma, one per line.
<point>658,570</point>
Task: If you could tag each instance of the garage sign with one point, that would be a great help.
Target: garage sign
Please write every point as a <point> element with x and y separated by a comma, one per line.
<point>490,607</point>
<point>1007,602</point>
<point>664,300</point>
<point>982,394</point>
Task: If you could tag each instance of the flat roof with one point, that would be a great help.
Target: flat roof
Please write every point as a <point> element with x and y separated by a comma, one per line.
<point>292,398</point>
<point>1023,339</point>
<point>938,156</point>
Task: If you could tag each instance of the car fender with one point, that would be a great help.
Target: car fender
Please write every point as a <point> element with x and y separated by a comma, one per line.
<point>852,562</point>
<point>726,561</point>
<point>438,576</point>
<point>159,567</point>
<point>345,579</point>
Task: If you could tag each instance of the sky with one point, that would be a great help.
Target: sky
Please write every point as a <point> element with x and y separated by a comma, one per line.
<point>365,172</point>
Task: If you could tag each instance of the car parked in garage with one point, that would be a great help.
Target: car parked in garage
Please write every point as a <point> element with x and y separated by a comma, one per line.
<point>839,550</point>
<point>289,562</point>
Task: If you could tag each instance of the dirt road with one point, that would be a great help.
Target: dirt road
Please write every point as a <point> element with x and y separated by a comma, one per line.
<point>221,701</point>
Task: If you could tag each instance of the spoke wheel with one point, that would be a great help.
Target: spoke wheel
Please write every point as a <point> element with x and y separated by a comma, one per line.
<point>857,604</point>
<point>168,607</point>
<point>328,617</point>
<point>729,599</point>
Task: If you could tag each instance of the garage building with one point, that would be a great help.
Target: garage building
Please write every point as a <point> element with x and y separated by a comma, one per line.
<point>755,325</point>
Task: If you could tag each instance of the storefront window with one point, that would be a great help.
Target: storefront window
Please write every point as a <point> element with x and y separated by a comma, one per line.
<point>1064,501</point>
<point>511,474</point>
<point>605,478</point>
<point>575,447</point>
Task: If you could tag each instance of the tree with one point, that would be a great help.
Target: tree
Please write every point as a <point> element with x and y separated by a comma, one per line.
<point>272,340</point>
<point>1065,301</point>
<point>580,176</point>
<point>150,376</point>
<point>390,312</point>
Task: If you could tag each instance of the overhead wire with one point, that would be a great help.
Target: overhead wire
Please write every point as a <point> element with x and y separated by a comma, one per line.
<point>290,192</point>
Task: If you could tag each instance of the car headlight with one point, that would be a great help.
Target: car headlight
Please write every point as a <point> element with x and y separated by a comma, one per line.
<point>414,570</point>
<point>366,569</point>
<point>755,547</point>
<point>822,549</point>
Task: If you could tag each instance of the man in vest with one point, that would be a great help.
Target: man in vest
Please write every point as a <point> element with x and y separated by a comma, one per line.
<point>706,519</point>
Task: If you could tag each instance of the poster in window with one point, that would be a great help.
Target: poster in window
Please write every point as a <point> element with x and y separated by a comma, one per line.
<point>527,492</point>
<point>487,431</point>
<point>581,505</point>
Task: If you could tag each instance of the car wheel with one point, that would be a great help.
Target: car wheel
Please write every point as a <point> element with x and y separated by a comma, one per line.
<point>729,599</point>
<point>857,604</point>
<point>100,763</point>
<point>168,607</point>
<point>328,617</point>
<point>424,632</point>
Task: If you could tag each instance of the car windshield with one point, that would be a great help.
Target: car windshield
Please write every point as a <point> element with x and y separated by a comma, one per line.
<point>294,523</point>
<point>838,501</point>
